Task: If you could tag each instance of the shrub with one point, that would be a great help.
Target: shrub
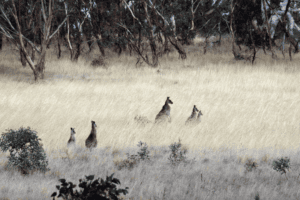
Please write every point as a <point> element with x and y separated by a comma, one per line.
<point>282,165</point>
<point>250,165</point>
<point>178,154</point>
<point>91,190</point>
<point>26,153</point>
<point>133,160</point>
<point>143,154</point>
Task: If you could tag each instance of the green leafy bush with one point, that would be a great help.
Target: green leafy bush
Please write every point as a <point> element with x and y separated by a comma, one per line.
<point>26,153</point>
<point>91,190</point>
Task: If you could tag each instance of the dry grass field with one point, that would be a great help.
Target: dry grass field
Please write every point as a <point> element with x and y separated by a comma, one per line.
<point>249,112</point>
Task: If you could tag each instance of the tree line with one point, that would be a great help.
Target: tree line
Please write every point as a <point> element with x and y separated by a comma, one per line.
<point>146,27</point>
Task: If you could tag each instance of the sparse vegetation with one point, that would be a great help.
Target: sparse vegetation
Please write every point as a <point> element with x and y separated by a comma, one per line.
<point>141,120</point>
<point>250,165</point>
<point>133,160</point>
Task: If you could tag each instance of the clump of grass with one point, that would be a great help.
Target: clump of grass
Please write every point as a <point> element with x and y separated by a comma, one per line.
<point>141,120</point>
<point>250,165</point>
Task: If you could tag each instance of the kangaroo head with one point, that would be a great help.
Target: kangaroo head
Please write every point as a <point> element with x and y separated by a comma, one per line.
<point>94,124</point>
<point>195,109</point>
<point>200,113</point>
<point>73,130</point>
<point>169,100</point>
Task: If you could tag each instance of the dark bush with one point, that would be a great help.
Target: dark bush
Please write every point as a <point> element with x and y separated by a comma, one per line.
<point>91,190</point>
<point>26,153</point>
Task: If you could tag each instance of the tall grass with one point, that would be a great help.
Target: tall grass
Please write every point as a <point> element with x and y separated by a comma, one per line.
<point>248,112</point>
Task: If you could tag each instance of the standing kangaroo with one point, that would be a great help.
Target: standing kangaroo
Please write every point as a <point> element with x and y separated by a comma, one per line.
<point>165,112</point>
<point>91,141</point>
<point>199,115</point>
<point>193,116</point>
<point>72,140</point>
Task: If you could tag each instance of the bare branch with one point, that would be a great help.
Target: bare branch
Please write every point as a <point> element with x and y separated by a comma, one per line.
<point>7,18</point>
<point>286,9</point>
<point>160,15</point>
<point>4,32</point>
<point>132,13</point>
<point>196,6</point>
<point>123,26</point>
<point>80,27</point>
<point>68,25</point>
<point>31,63</point>
<point>43,10</point>
<point>58,27</point>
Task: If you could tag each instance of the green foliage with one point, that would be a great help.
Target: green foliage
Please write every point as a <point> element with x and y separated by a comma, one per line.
<point>178,154</point>
<point>91,190</point>
<point>282,165</point>
<point>250,165</point>
<point>26,153</point>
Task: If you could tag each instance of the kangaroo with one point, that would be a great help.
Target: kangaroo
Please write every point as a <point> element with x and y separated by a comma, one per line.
<point>72,140</point>
<point>91,141</point>
<point>165,112</point>
<point>199,115</point>
<point>193,116</point>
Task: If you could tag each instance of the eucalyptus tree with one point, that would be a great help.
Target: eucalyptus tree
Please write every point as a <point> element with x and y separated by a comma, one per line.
<point>77,12</point>
<point>11,27</point>
<point>267,21</point>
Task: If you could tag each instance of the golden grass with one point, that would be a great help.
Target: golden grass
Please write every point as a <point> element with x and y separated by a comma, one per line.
<point>248,112</point>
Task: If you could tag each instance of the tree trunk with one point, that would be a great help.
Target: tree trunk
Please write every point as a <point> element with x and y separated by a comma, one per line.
<point>269,29</point>
<point>22,55</point>
<point>77,50</point>
<point>1,40</point>
<point>178,47</point>
<point>101,49</point>
<point>39,68</point>
<point>33,53</point>
<point>153,50</point>
<point>58,46</point>
<point>166,45</point>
